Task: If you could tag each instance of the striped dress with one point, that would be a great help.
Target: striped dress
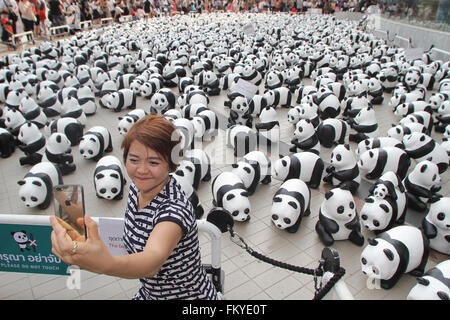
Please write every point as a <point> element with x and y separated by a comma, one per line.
<point>182,275</point>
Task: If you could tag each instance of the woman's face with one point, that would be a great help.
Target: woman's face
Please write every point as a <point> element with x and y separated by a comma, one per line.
<point>146,167</point>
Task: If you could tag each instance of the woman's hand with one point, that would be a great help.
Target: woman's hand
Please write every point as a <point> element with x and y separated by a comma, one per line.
<point>91,254</point>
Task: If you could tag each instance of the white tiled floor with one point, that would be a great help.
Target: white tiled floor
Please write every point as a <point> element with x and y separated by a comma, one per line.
<point>245,277</point>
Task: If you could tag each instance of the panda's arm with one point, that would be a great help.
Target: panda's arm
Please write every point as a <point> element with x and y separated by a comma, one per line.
<point>354,224</point>
<point>429,229</point>
<point>329,225</point>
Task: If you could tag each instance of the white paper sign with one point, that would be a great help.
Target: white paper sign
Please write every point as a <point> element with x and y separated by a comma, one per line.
<point>249,29</point>
<point>413,53</point>
<point>111,232</point>
<point>245,88</point>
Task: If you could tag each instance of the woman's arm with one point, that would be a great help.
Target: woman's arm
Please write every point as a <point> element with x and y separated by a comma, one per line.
<point>93,255</point>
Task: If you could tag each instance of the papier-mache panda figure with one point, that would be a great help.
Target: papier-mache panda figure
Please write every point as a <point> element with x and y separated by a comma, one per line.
<point>242,139</point>
<point>48,101</point>
<point>206,125</point>
<point>108,87</point>
<point>308,110</point>
<point>13,120</point>
<point>305,138</point>
<point>208,81</point>
<point>402,249</point>
<point>422,117</point>
<point>386,204</point>
<point>379,142</point>
<point>279,97</point>
<point>338,218</point>
<point>7,143</point>
<point>240,112</point>
<point>121,99</point>
<point>254,168</point>
<point>71,127</point>
<point>328,103</point>
<point>433,285</point>
<point>150,87</point>
<point>268,127</point>
<point>86,99</point>
<point>332,131</point>
<point>420,146</point>
<point>58,152</point>
<point>193,95</point>
<point>343,170</point>
<point>127,121</point>
<point>95,143</point>
<point>273,79</point>
<point>32,112</point>
<point>306,166</point>
<point>188,111</point>
<point>196,166</point>
<point>230,194</point>
<point>72,109</point>
<point>403,109</point>
<point>185,129</point>
<point>375,91</point>
<point>435,99</point>
<point>365,124</point>
<point>422,185</point>
<point>443,116</point>
<point>32,144</point>
<point>436,224</point>
<point>290,204</point>
<point>388,77</point>
<point>36,188</point>
<point>399,131</point>
<point>163,100</point>
<point>378,161</point>
<point>109,179</point>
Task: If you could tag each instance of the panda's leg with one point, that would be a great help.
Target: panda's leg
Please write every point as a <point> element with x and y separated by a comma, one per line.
<point>199,211</point>
<point>207,176</point>
<point>316,176</point>
<point>415,203</point>
<point>418,272</point>
<point>356,237</point>
<point>109,148</point>
<point>324,235</point>
<point>267,179</point>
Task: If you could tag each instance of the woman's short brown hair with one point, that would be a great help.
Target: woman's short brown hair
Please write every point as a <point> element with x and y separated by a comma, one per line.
<point>158,134</point>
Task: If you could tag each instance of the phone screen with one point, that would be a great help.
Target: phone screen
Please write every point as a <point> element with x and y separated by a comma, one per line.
<point>69,208</point>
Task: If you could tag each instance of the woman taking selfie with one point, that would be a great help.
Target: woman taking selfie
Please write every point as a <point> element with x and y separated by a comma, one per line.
<point>160,232</point>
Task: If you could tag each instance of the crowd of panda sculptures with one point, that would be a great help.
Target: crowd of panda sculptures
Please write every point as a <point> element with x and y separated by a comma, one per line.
<point>174,66</point>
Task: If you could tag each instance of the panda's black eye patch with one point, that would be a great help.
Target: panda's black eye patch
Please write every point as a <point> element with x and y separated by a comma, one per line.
<point>274,217</point>
<point>441,216</point>
<point>100,175</point>
<point>114,175</point>
<point>34,199</point>
<point>364,261</point>
<point>230,196</point>
<point>102,190</point>
<point>277,199</point>
<point>287,220</point>
<point>114,190</point>
<point>352,205</point>
<point>376,223</point>
<point>338,157</point>
<point>340,209</point>
<point>190,169</point>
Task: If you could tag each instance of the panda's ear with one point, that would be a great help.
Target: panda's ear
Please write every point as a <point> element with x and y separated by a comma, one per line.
<point>37,183</point>
<point>58,138</point>
<point>384,207</point>
<point>347,146</point>
<point>293,204</point>
<point>21,182</point>
<point>422,138</point>
<point>371,154</point>
<point>372,242</point>
<point>369,200</point>
<point>277,199</point>
<point>234,165</point>
<point>389,254</point>
<point>284,163</point>
<point>244,193</point>
<point>443,295</point>
<point>230,196</point>
<point>328,194</point>
<point>423,168</point>
<point>423,281</point>
<point>92,139</point>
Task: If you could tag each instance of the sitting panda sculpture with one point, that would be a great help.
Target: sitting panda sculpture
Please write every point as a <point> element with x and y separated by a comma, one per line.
<point>127,121</point>
<point>36,188</point>
<point>422,185</point>
<point>59,152</point>
<point>32,143</point>
<point>343,170</point>
<point>109,179</point>
<point>402,249</point>
<point>305,137</point>
<point>332,132</point>
<point>338,218</point>
<point>436,225</point>
<point>290,204</point>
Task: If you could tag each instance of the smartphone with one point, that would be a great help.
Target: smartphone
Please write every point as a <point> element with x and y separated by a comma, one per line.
<point>69,207</point>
